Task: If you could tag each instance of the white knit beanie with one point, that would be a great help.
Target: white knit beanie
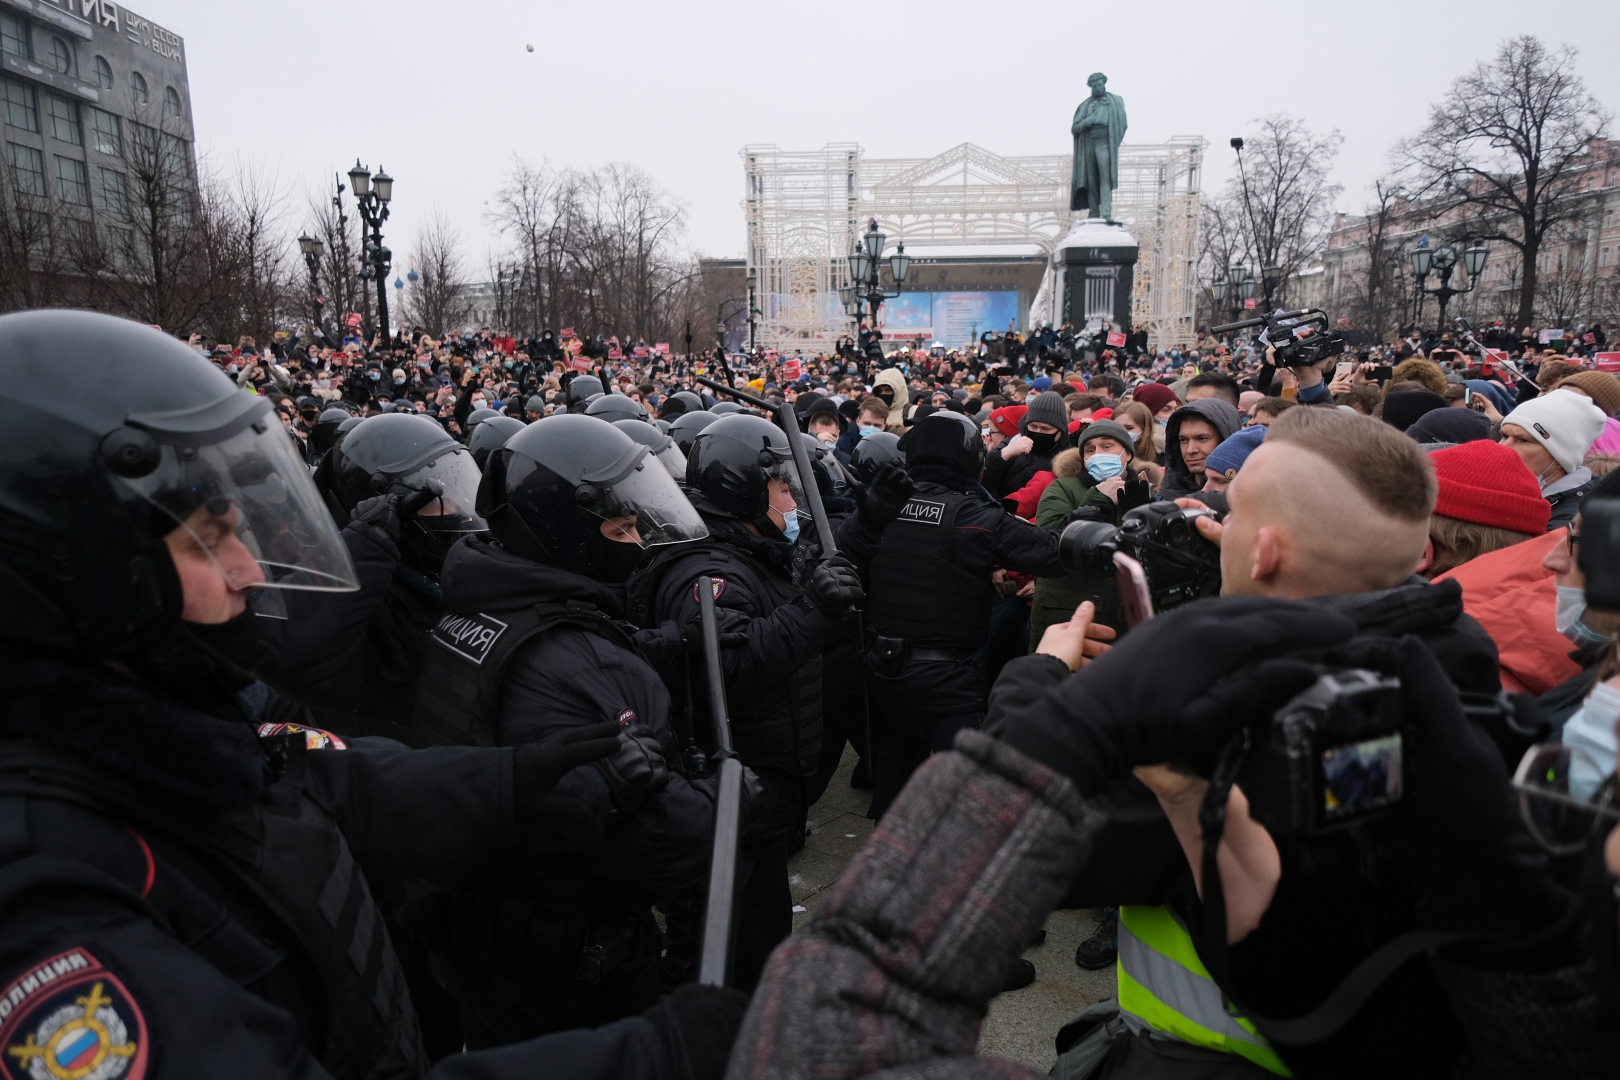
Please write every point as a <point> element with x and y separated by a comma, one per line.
<point>1563,421</point>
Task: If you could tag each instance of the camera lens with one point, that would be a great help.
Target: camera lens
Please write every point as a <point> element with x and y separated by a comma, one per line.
<point>1088,547</point>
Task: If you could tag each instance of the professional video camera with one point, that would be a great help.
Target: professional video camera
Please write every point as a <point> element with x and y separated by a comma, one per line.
<point>1339,754</point>
<point>1179,564</point>
<point>1301,337</point>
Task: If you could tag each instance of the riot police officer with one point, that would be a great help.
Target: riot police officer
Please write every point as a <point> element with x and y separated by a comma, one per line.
<point>531,645</point>
<point>686,427</point>
<point>662,446</point>
<point>186,893</point>
<point>741,478</point>
<point>490,436</point>
<point>931,595</point>
<point>403,491</point>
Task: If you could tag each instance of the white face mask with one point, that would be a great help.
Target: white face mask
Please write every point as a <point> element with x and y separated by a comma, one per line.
<point>1567,612</point>
<point>1592,727</point>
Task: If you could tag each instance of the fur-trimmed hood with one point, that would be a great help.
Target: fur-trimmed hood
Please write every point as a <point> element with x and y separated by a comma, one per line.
<point>1067,463</point>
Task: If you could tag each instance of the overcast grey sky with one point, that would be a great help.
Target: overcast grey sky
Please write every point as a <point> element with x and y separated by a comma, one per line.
<point>679,88</point>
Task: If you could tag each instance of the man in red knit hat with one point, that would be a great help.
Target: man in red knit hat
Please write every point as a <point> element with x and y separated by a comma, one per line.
<point>1489,499</point>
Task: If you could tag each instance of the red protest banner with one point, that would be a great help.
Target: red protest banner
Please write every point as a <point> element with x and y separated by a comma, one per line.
<point>566,332</point>
<point>662,347</point>
<point>580,363</point>
<point>1606,361</point>
<point>1116,339</point>
<point>640,352</point>
<point>790,370</point>
<point>351,319</point>
<point>575,346</point>
<point>615,353</point>
<point>1248,305</point>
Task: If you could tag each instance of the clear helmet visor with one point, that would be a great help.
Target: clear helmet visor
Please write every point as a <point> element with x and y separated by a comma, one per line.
<point>247,501</point>
<point>673,460</point>
<point>782,468</point>
<point>457,473</point>
<point>645,507</point>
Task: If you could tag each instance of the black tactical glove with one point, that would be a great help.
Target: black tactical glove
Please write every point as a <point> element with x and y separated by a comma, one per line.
<point>536,767</point>
<point>1154,697</point>
<point>697,1025</point>
<point>390,512</point>
<point>730,630</point>
<point>635,770</point>
<point>880,502</point>
<point>835,587</point>
<point>1475,865</point>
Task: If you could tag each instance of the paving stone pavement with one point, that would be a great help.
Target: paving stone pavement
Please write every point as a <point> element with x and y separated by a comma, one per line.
<point>1021,1024</point>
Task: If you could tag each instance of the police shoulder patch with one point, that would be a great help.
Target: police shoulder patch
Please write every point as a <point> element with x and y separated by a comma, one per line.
<point>69,1018</point>
<point>626,717</point>
<point>717,585</point>
<point>314,737</point>
<point>469,636</point>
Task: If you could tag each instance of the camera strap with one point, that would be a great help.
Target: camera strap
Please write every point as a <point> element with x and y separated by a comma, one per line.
<point>1352,993</point>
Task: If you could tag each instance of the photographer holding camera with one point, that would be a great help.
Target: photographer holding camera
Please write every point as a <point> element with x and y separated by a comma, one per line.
<point>1319,923</point>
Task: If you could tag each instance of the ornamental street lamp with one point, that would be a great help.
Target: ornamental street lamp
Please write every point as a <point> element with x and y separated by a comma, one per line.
<point>1443,260</point>
<point>373,194</point>
<point>1240,285</point>
<point>313,249</point>
<point>865,273</point>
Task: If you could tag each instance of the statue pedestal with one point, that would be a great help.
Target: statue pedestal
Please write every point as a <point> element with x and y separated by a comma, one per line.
<point>1094,266</point>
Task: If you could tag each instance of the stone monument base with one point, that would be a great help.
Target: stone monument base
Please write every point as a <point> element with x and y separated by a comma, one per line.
<point>1093,269</point>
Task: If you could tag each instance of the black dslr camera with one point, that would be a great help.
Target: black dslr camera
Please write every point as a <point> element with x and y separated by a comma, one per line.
<point>1339,754</point>
<point>1301,338</point>
<point>1180,565</point>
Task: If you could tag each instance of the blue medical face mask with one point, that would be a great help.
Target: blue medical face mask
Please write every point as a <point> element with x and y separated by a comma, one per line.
<point>868,429</point>
<point>1105,466</point>
<point>790,526</point>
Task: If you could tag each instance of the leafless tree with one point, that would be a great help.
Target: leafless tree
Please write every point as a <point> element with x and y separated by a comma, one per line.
<point>1283,220</point>
<point>436,300</point>
<point>1375,290</point>
<point>1504,148</point>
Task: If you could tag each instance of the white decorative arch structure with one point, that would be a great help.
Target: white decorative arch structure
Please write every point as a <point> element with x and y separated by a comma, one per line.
<point>804,208</point>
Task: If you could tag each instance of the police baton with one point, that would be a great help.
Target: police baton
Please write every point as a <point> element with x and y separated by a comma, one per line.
<point>714,967</point>
<point>818,513</point>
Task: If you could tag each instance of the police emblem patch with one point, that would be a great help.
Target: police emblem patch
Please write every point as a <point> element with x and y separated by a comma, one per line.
<point>924,511</point>
<point>471,636</point>
<point>69,1018</point>
<point>314,737</point>
<point>717,585</point>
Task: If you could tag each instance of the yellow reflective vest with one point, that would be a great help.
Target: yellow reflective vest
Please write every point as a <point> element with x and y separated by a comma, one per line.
<point>1164,985</point>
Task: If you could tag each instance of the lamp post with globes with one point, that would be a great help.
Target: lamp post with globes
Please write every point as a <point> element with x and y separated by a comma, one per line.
<point>865,286</point>
<point>1443,260</point>
<point>312,250</point>
<point>1240,285</point>
<point>372,194</point>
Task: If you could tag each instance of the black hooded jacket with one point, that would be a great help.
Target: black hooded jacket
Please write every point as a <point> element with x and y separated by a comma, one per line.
<point>1178,480</point>
<point>567,677</point>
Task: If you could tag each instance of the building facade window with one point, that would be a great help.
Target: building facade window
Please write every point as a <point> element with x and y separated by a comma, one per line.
<point>72,181</point>
<point>109,139</point>
<point>1603,257</point>
<point>14,35</point>
<point>137,87</point>
<point>28,166</point>
<point>21,110</point>
<point>113,189</point>
<point>65,120</point>
<point>104,77</point>
<point>171,102</point>
<point>61,56</point>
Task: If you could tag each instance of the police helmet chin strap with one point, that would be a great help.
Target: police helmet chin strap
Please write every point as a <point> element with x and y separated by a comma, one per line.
<point>1352,993</point>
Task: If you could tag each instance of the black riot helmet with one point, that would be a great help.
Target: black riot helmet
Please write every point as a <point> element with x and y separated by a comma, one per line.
<point>684,429</point>
<point>325,431</point>
<point>478,416</point>
<point>581,389</point>
<point>613,407</point>
<point>662,446</point>
<point>945,438</point>
<point>730,466</point>
<point>490,436</point>
<point>726,408</point>
<point>395,453</point>
<point>690,402</point>
<point>579,494</point>
<point>830,478</point>
<point>349,425</point>
<point>872,453</point>
<point>118,446</point>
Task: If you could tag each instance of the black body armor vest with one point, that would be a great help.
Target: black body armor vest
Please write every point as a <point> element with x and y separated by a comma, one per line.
<point>918,593</point>
<point>459,698</point>
<point>779,728</point>
<point>289,854</point>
